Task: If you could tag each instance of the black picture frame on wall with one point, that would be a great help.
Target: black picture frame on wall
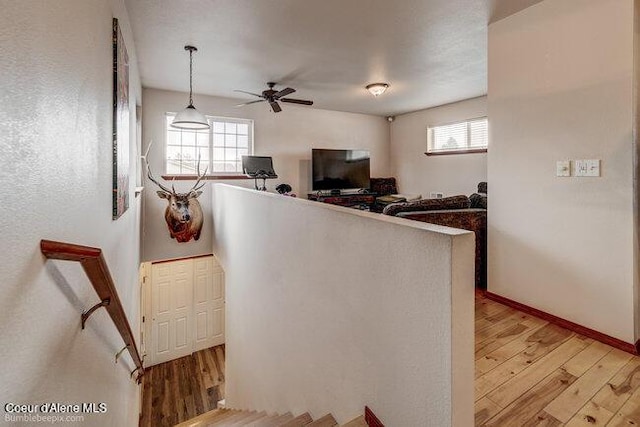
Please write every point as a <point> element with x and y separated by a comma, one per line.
<point>120,123</point>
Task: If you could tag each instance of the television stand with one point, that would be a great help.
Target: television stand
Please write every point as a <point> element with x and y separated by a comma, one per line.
<point>357,200</point>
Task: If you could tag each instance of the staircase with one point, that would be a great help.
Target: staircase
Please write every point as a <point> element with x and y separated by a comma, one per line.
<point>235,418</point>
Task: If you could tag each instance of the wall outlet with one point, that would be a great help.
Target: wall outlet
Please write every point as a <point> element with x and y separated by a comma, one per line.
<point>436,195</point>
<point>563,168</point>
<point>587,167</point>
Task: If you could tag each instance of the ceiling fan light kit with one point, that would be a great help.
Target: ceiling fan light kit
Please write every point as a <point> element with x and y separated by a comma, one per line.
<point>272,96</point>
<point>377,89</point>
<point>190,118</point>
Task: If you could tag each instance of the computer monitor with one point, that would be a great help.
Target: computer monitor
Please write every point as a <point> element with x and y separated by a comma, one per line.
<point>258,167</point>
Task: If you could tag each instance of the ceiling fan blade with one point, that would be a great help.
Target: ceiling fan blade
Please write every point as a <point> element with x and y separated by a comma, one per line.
<point>275,106</point>
<point>250,102</point>
<point>248,93</point>
<point>284,92</point>
<point>296,101</point>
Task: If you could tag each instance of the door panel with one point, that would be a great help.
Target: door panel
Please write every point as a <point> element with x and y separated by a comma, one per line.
<point>218,324</point>
<point>187,307</point>
<point>209,298</point>
<point>163,338</point>
<point>171,310</point>
<point>182,328</point>
<point>201,326</point>
<point>217,308</point>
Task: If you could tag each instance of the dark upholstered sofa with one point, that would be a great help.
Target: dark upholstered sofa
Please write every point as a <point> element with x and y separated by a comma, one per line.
<point>467,213</point>
<point>386,193</point>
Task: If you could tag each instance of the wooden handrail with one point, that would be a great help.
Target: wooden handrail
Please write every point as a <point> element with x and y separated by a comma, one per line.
<point>96,269</point>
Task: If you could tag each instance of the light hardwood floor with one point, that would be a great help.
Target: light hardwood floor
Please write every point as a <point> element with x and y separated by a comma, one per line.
<point>528,373</point>
<point>532,373</point>
<point>181,389</point>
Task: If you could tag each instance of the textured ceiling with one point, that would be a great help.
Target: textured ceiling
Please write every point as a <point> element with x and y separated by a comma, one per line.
<point>431,52</point>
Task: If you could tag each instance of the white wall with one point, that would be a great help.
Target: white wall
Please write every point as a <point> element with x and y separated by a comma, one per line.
<point>636,165</point>
<point>560,87</point>
<point>329,309</point>
<point>420,174</point>
<point>55,183</point>
<point>287,136</point>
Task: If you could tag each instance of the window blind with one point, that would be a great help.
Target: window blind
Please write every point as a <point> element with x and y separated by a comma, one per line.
<point>458,137</point>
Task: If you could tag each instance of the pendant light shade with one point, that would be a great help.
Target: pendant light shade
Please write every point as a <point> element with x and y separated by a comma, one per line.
<point>190,118</point>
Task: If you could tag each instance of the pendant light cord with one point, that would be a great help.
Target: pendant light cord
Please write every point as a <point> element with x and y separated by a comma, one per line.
<point>190,118</point>
<point>190,77</point>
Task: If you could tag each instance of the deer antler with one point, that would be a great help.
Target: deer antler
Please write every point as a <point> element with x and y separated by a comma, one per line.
<point>150,175</point>
<point>195,186</point>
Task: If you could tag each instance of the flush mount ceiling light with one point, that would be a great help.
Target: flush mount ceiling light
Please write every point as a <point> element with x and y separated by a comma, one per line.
<point>377,89</point>
<point>190,118</point>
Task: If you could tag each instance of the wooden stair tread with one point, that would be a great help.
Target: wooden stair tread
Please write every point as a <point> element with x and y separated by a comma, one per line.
<point>356,422</point>
<point>249,420</point>
<point>273,421</point>
<point>283,419</point>
<point>237,416</point>
<point>228,414</point>
<point>202,419</point>
<point>264,422</point>
<point>326,421</point>
<point>299,421</point>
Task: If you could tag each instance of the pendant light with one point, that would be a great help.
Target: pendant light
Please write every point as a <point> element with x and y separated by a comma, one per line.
<point>190,118</point>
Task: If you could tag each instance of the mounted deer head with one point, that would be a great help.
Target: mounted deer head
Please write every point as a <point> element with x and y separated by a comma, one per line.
<point>183,213</point>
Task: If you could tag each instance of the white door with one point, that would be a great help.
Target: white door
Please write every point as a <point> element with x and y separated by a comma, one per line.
<point>171,310</point>
<point>187,308</point>
<point>208,303</point>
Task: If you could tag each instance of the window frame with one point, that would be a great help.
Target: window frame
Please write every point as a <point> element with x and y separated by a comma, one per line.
<point>210,174</point>
<point>468,121</point>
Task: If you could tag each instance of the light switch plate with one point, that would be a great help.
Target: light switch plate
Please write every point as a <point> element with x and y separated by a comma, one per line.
<point>563,168</point>
<point>589,167</point>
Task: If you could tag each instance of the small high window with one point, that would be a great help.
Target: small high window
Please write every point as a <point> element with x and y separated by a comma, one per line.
<point>469,136</point>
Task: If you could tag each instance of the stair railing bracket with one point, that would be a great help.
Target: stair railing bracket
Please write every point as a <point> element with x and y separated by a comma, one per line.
<point>86,314</point>
<point>140,374</point>
<point>118,354</point>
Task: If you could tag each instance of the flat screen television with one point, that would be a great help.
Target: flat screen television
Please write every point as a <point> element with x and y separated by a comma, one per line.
<point>339,169</point>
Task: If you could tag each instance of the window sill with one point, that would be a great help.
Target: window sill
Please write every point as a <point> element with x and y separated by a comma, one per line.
<point>446,153</point>
<point>207,177</point>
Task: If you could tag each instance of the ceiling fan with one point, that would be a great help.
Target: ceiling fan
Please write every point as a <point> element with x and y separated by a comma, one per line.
<point>272,96</point>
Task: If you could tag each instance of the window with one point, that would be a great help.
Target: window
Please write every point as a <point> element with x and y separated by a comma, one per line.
<point>220,148</point>
<point>470,136</point>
